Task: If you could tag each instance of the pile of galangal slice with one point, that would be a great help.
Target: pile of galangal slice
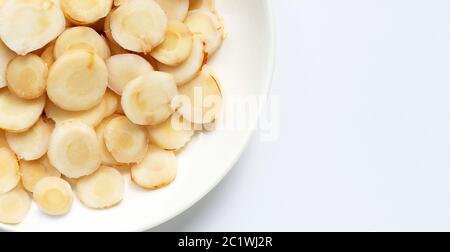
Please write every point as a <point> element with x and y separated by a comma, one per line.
<point>89,88</point>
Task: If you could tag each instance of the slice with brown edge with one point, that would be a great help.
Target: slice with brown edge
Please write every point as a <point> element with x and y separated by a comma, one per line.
<point>172,134</point>
<point>14,206</point>
<point>74,149</point>
<point>53,196</point>
<point>77,80</point>
<point>177,46</point>
<point>127,142</point>
<point>187,70</point>
<point>33,143</point>
<point>19,115</point>
<point>105,188</point>
<point>147,100</point>
<point>157,170</point>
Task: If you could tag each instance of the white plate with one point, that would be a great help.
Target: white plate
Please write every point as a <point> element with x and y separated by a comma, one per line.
<point>244,65</point>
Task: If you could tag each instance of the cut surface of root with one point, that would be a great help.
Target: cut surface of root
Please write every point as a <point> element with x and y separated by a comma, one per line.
<point>26,26</point>
<point>82,38</point>
<point>138,25</point>
<point>74,149</point>
<point>84,12</point>
<point>172,134</point>
<point>14,206</point>
<point>127,142</point>
<point>18,115</point>
<point>208,27</point>
<point>187,70</point>
<point>157,170</point>
<point>124,68</point>
<point>177,46</point>
<point>147,100</point>
<point>103,189</point>
<point>27,76</point>
<point>77,81</point>
<point>33,143</point>
<point>175,9</point>
<point>53,196</point>
<point>6,55</point>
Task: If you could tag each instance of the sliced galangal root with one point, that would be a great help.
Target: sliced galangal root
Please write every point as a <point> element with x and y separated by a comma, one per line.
<point>201,99</point>
<point>33,171</point>
<point>177,46</point>
<point>208,27</point>
<point>157,170</point>
<point>202,4</point>
<point>175,9</point>
<point>172,134</point>
<point>187,70</point>
<point>14,206</point>
<point>9,170</point>
<point>27,76</point>
<point>82,38</point>
<point>77,80</point>
<point>139,25</point>
<point>124,68</point>
<point>18,115</point>
<point>6,55</point>
<point>3,142</point>
<point>74,149</point>
<point>26,26</point>
<point>33,143</point>
<point>103,189</point>
<point>53,196</point>
<point>83,12</point>
<point>147,100</point>
<point>127,142</point>
<point>91,117</point>
<point>106,156</point>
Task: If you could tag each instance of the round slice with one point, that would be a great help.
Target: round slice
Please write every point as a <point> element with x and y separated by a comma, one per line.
<point>208,27</point>
<point>177,46</point>
<point>201,99</point>
<point>175,9</point>
<point>26,26</point>
<point>139,25</point>
<point>123,68</point>
<point>14,206</point>
<point>107,158</point>
<point>201,4</point>
<point>103,189</point>
<point>127,142</point>
<point>157,170</point>
<point>48,56</point>
<point>83,12</point>
<point>18,115</point>
<point>27,76</point>
<point>172,134</point>
<point>53,196</point>
<point>82,38</point>
<point>74,149</point>
<point>33,171</point>
<point>91,117</point>
<point>147,100</point>
<point>187,70</point>
<point>6,55</point>
<point>9,170</point>
<point>31,144</point>
<point>77,80</point>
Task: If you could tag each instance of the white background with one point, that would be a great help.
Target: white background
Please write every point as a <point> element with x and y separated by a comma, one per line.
<point>364,144</point>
